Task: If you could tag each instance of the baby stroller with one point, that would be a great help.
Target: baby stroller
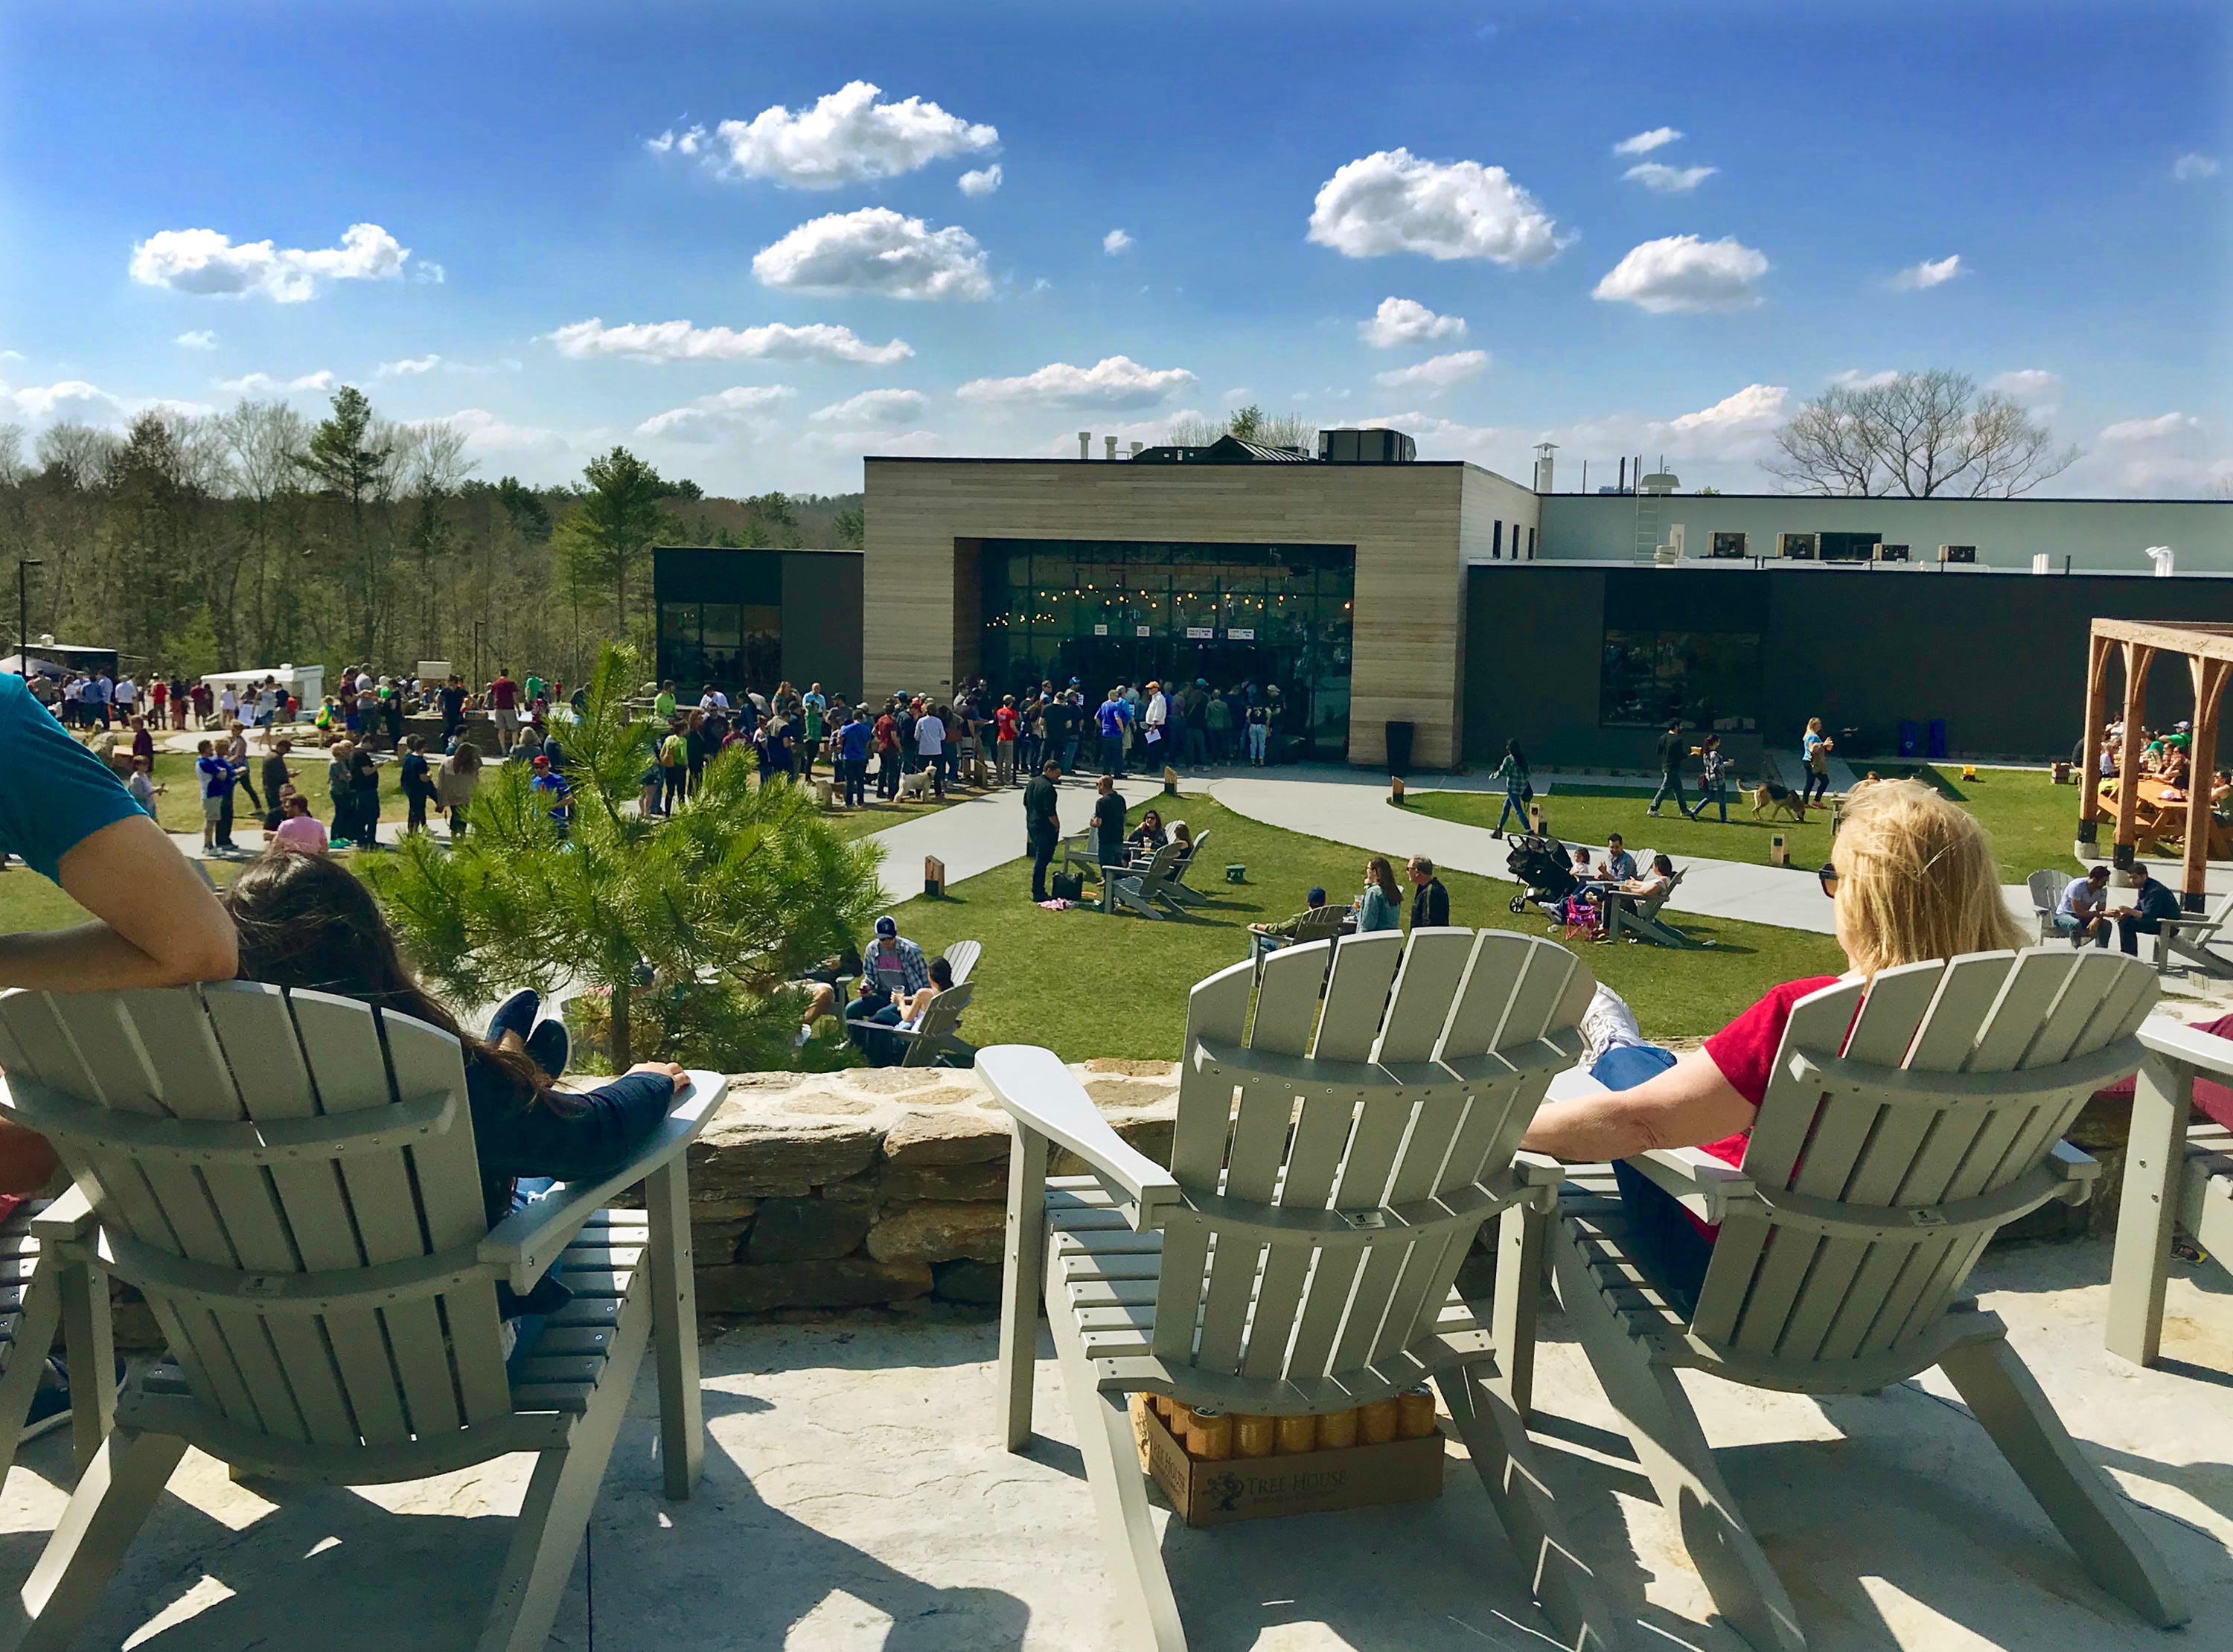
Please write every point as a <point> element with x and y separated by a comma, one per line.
<point>1542,866</point>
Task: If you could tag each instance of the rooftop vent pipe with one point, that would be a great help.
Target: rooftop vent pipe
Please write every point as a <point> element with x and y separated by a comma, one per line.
<point>1085,444</point>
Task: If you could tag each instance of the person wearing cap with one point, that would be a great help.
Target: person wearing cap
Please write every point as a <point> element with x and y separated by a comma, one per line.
<point>547,779</point>
<point>1268,937</point>
<point>894,963</point>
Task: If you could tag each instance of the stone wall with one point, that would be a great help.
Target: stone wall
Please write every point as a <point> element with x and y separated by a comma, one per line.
<point>873,1187</point>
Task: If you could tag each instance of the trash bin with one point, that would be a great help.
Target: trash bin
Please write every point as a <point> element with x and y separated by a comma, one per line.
<point>1938,737</point>
<point>1911,738</point>
<point>1399,748</point>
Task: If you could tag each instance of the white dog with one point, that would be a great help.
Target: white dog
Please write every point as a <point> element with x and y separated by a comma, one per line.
<point>915,787</point>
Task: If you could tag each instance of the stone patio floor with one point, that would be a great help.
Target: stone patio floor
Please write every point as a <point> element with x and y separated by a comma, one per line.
<point>854,1499</point>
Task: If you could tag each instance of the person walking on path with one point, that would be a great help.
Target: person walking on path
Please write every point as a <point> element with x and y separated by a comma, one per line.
<point>1108,826</point>
<point>1713,783</point>
<point>1814,747</point>
<point>1518,788</point>
<point>503,706</point>
<point>1111,717</point>
<point>1671,753</point>
<point>1042,826</point>
<point>1430,901</point>
<point>416,783</point>
<point>454,786</point>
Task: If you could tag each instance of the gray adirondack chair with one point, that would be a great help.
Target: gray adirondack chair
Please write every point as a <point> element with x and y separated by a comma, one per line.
<point>962,958</point>
<point>1880,1166</point>
<point>1290,1261</point>
<point>2187,943</point>
<point>42,1293</point>
<point>1147,889</point>
<point>2178,1172</point>
<point>2045,894</point>
<point>289,1180</point>
<point>1644,920</point>
<point>1181,890</point>
<point>934,1040</point>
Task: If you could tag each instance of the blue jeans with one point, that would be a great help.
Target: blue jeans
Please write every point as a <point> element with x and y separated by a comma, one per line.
<point>1670,785</point>
<point>1660,1234</point>
<point>1710,791</point>
<point>1513,808</point>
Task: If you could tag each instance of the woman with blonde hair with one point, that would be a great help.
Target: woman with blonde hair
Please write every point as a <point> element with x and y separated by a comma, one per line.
<point>1912,878</point>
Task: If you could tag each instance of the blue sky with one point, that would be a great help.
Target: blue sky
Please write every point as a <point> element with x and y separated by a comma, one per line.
<point>1278,174</point>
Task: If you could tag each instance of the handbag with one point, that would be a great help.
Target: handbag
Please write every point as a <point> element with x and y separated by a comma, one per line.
<point>1069,886</point>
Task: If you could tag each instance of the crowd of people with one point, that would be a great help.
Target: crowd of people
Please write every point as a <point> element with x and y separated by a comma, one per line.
<point>2166,757</point>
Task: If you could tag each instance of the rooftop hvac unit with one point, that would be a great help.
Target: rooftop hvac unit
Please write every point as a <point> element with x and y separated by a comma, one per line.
<point>1366,447</point>
<point>1802,546</point>
<point>1891,553</point>
<point>1731,545</point>
<point>1957,553</point>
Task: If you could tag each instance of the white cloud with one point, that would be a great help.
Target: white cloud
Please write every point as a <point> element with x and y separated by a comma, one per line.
<point>1115,242</point>
<point>262,384</point>
<point>876,250</point>
<point>1931,272</point>
<point>1644,143</point>
<point>873,408</point>
<point>2025,384</point>
<point>485,431</point>
<point>415,365</point>
<point>2151,430</point>
<point>1680,273</point>
<point>2192,167</point>
<point>1669,181</point>
<point>428,273</point>
<point>1392,201</point>
<point>1436,373</point>
<point>1854,379</point>
<point>846,137</point>
<point>200,339</point>
<point>724,412</point>
<point>1406,321</point>
<point>203,262</point>
<point>851,442</point>
<point>983,182</point>
<point>1753,407</point>
<point>70,398</point>
<point>1114,381</point>
<point>682,341</point>
<point>409,367</point>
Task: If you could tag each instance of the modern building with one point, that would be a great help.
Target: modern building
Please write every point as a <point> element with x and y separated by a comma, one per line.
<point>1372,588</point>
<point>735,618</point>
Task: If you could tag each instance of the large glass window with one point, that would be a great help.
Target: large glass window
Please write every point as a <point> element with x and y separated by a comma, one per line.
<point>729,645</point>
<point>1109,612</point>
<point>1708,679</point>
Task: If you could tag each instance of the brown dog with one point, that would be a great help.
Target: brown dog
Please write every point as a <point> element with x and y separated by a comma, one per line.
<point>1769,797</point>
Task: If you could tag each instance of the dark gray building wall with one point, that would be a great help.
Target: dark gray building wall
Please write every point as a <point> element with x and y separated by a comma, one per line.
<point>819,592</point>
<point>2001,657</point>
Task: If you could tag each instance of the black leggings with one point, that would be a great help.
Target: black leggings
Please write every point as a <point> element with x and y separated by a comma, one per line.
<point>1818,788</point>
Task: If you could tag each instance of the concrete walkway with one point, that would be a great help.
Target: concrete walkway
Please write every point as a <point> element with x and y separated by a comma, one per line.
<point>985,832</point>
<point>855,1498</point>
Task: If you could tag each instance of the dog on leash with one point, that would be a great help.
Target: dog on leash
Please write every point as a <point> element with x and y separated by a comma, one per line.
<point>1770,796</point>
<point>914,788</point>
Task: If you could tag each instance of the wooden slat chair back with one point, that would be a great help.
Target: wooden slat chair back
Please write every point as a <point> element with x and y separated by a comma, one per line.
<point>962,958</point>
<point>2045,894</point>
<point>2190,942</point>
<point>288,1178</point>
<point>1902,1128</point>
<point>1148,887</point>
<point>1645,919</point>
<point>1188,858</point>
<point>935,1038</point>
<point>1334,1154</point>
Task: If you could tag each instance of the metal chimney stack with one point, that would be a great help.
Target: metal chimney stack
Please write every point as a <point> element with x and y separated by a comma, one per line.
<point>1137,447</point>
<point>1543,451</point>
<point>1085,444</point>
<point>1111,440</point>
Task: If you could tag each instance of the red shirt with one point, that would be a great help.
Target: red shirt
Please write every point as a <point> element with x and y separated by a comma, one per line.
<point>1745,1051</point>
<point>504,693</point>
<point>1005,718</point>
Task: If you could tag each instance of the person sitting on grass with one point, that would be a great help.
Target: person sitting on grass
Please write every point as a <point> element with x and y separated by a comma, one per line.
<point>1266,938</point>
<point>304,921</point>
<point>1912,878</point>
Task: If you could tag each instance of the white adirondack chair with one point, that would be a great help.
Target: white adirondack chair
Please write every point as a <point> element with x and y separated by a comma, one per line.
<point>1147,885</point>
<point>289,1180</point>
<point>1300,1259</point>
<point>42,1293</point>
<point>1880,1166</point>
<point>962,958</point>
<point>2187,943</point>
<point>2178,1171</point>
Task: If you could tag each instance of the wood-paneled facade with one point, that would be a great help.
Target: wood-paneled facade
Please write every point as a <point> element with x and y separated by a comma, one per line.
<point>1407,524</point>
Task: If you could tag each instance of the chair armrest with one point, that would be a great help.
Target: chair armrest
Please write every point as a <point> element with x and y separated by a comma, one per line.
<point>1703,1185</point>
<point>528,1241</point>
<point>2076,1170</point>
<point>1040,1094</point>
<point>70,1217</point>
<point>1540,1175</point>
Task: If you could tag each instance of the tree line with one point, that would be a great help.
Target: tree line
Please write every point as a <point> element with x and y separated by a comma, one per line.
<point>258,537</point>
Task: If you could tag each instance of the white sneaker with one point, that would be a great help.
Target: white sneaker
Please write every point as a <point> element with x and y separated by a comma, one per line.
<point>804,1033</point>
<point>1608,1024</point>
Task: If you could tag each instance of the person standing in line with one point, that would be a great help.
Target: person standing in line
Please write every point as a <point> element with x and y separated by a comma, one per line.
<point>277,774</point>
<point>1713,781</point>
<point>1110,718</point>
<point>1217,719</point>
<point>813,710</point>
<point>1430,901</point>
<point>885,737</point>
<point>364,794</point>
<point>416,781</point>
<point>930,747</point>
<point>1175,728</point>
<point>1152,724</point>
<point>158,701</point>
<point>1108,827</point>
<point>1814,749</point>
<point>853,758</point>
<point>1074,717</point>
<point>1042,825</point>
<point>216,776</point>
<point>1518,788</point>
<point>455,785</point>
<point>1381,906</point>
<point>126,697</point>
<point>453,702</point>
<point>1672,752</point>
<point>1005,730</point>
<point>503,706</point>
<point>1259,723</point>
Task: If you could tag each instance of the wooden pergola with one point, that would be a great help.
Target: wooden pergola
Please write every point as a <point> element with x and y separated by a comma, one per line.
<point>2209,652</point>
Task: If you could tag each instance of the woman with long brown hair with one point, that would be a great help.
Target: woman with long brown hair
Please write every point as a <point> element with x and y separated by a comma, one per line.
<point>1380,906</point>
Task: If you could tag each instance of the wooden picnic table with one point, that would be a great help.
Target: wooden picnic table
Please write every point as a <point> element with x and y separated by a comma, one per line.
<point>2157,819</point>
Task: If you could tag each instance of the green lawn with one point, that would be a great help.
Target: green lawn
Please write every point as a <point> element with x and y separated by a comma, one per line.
<point>2032,821</point>
<point>1085,982</point>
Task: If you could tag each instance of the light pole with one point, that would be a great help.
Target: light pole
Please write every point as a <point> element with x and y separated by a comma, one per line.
<point>23,566</point>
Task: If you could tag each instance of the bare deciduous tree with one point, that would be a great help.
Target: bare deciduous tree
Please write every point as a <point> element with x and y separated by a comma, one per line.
<point>1926,435</point>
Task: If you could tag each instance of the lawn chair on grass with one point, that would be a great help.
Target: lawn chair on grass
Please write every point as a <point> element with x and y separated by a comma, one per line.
<point>962,958</point>
<point>1642,920</point>
<point>2045,896</point>
<point>1149,886</point>
<point>1879,1166</point>
<point>2178,1172</point>
<point>289,1180</point>
<point>1188,858</point>
<point>2186,942</point>
<point>1293,1262</point>
<point>934,1039</point>
<point>42,1293</point>
<point>1322,923</point>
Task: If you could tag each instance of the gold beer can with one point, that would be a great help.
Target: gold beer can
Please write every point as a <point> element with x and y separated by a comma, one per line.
<point>1376,1424</point>
<point>1415,1412</point>
<point>1255,1436</point>
<point>1337,1430</point>
<point>1209,1433</point>
<point>1296,1436</point>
